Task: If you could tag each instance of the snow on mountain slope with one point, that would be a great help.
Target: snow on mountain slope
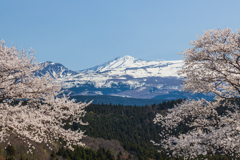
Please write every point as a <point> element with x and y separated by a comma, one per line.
<point>124,76</point>
<point>55,69</point>
<point>137,68</point>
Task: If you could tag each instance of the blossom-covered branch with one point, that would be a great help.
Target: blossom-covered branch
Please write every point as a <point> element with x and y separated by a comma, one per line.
<point>209,132</point>
<point>210,66</point>
<point>42,117</point>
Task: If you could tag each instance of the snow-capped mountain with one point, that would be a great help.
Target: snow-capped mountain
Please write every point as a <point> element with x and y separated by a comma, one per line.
<point>139,68</point>
<point>123,76</point>
<point>56,69</point>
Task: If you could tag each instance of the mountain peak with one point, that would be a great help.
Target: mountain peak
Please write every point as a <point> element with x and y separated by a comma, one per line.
<point>127,57</point>
<point>55,69</point>
<point>128,62</point>
<point>117,63</point>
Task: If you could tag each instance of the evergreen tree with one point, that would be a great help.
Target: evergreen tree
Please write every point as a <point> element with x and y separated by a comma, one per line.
<point>11,152</point>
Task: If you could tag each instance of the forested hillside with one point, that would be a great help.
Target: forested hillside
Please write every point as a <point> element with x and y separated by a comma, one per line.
<point>132,126</point>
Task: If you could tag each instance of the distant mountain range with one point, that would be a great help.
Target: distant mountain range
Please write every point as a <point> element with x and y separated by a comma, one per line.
<point>125,77</point>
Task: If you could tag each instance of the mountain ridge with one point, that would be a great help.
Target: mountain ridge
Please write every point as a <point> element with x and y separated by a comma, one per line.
<point>127,62</point>
<point>123,76</point>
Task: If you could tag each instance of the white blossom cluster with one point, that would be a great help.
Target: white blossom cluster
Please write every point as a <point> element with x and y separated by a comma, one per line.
<point>209,132</point>
<point>210,66</point>
<point>39,112</point>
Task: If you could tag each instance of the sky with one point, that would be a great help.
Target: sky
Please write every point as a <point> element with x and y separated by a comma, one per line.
<point>84,33</point>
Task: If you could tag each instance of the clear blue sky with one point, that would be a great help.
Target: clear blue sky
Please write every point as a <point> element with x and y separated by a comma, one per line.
<point>84,33</point>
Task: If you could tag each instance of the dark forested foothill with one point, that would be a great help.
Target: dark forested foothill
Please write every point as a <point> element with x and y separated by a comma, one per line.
<point>132,126</point>
<point>81,153</point>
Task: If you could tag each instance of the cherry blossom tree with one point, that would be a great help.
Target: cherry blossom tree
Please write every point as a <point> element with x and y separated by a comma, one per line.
<point>30,105</point>
<point>211,65</point>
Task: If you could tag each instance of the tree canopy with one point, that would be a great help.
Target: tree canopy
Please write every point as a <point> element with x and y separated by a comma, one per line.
<point>211,65</point>
<point>30,105</point>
